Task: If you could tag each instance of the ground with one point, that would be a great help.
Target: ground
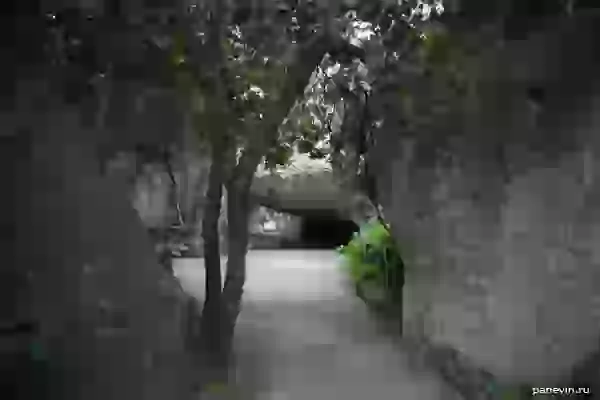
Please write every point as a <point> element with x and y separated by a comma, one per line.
<point>302,335</point>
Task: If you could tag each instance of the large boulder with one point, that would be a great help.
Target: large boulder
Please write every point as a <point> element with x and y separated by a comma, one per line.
<point>153,196</point>
<point>96,316</point>
<point>305,186</point>
<point>494,199</point>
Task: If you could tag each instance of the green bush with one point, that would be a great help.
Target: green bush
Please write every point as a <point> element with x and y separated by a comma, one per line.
<point>372,259</point>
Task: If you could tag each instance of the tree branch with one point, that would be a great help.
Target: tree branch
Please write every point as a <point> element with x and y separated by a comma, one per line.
<point>174,186</point>
<point>301,63</point>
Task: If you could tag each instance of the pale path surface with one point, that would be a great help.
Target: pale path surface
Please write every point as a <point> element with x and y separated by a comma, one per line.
<point>303,335</point>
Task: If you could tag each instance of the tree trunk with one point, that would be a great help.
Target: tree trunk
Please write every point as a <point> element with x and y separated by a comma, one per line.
<point>211,315</point>
<point>238,211</point>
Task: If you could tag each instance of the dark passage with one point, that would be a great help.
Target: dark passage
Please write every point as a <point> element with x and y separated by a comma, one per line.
<point>326,232</point>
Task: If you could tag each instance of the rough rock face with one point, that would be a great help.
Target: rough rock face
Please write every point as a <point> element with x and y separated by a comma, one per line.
<point>105,322</point>
<point>150,190</point>
<point>494,199</point>
<point>305,185</point>
<point>138,128</point>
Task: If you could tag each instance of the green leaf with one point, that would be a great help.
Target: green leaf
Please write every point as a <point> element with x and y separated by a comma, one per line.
<point>439,49</point>
<point>372,256</point>
<point>255,76</point>
<point>178,50</point>
<point>198,102</point>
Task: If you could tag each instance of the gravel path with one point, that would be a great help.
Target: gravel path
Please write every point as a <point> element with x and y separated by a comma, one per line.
<point>303,335</point>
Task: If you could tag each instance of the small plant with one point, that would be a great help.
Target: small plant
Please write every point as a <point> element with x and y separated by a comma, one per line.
<point>373,262</point>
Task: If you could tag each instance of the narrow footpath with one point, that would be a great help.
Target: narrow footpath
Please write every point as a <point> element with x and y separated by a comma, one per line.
<point>302,335</point>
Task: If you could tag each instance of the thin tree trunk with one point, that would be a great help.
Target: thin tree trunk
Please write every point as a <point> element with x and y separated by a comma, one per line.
<point>210,233</point>
<point>211,315</point>
<point>237,234</point>
<point>238,212</point>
